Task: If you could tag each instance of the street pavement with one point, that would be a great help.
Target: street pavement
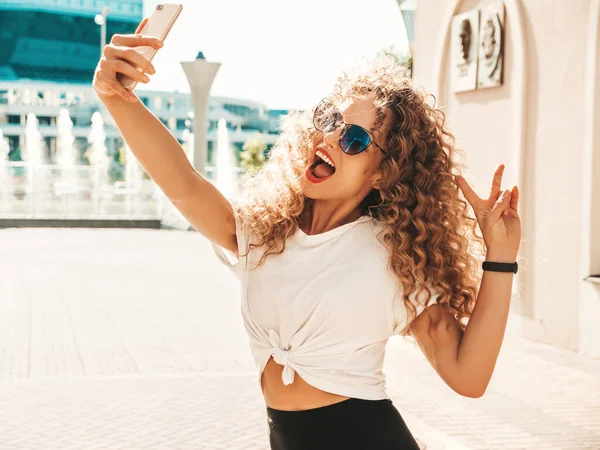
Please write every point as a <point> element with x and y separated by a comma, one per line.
<point>133,339</point>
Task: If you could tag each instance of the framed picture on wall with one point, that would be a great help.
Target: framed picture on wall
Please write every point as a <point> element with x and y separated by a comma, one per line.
<point>491,46</point>
<point>463,52</point>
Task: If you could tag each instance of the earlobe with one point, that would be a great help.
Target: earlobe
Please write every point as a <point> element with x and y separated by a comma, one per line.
<point>375,180</point>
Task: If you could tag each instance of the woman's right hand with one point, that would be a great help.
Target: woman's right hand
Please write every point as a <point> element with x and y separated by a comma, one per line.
<point>120,56</point>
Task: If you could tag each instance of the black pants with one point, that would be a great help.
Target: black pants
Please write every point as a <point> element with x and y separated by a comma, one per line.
<point>352,424</point>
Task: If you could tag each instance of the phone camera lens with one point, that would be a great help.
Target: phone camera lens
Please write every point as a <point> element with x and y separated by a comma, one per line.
<point>159,7</point>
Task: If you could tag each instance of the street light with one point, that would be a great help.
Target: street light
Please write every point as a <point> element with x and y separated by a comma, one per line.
<point>100,19</point>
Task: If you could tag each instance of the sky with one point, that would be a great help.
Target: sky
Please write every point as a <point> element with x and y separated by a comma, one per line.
<point>284,54</point>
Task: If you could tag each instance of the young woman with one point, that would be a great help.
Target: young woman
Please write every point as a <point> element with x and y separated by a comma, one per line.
<point>353,232</point>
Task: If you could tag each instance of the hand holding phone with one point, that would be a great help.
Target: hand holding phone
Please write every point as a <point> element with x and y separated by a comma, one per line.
<point>158,26</point>
<point>127,58</point>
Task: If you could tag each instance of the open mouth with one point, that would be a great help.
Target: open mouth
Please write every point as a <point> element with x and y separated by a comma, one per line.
<point>322,167</point>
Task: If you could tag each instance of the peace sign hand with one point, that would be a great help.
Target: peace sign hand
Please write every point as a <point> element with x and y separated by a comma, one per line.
<point>497,216</point>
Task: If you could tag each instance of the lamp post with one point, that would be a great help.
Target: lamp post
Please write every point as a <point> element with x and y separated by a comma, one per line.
<point>100,19</point>
<point>200,75</point>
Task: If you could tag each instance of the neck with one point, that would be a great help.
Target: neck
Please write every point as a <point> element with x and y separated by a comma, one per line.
<point>324,215</point>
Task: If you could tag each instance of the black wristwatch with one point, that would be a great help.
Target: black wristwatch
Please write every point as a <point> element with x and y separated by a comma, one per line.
<point>500,267</point>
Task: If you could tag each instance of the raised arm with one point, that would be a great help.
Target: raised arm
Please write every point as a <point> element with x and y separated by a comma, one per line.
<point>466,361</point>
<point>157,150</point>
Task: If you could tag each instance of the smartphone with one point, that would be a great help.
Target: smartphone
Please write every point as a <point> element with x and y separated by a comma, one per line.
<point>157,25</point>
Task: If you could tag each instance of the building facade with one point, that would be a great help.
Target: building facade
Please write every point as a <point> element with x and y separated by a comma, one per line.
<point>48,53</point>
<point>245,118</point>
<point>58,40</point>
<point>543,122</point>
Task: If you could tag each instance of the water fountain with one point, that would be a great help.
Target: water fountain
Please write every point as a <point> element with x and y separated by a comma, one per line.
<point>32,154</point>
<point>133,170</point>
<point>133,179</point>
<point>67,155</point>
<point>35,189</point>
<point>5,178</point>
<point>66,159</point>
<point>99,161</point>
<point>225,161</point>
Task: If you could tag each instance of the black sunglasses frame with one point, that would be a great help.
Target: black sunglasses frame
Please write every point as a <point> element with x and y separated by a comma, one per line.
<point>337,119</point>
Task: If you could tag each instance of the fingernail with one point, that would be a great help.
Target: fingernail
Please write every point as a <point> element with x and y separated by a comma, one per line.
<point>146,79</point>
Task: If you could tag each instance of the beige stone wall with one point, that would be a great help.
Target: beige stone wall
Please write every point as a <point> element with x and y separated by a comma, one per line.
<point>543,123</point>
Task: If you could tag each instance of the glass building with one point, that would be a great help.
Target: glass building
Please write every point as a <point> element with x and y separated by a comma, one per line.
<point>49,50</point>
<point>58,40</point>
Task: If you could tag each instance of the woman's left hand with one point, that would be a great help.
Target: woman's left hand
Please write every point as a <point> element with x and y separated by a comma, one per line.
<point>497,215</point>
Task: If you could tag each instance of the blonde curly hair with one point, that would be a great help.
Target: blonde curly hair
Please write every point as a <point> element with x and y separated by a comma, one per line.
<point>427,229</point>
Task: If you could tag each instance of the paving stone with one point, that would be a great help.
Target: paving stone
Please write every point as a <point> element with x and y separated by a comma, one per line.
<point>133,339</point>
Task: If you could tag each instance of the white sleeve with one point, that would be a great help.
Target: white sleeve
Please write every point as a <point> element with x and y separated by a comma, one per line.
<point>226,256</point>
<point>419,301</point>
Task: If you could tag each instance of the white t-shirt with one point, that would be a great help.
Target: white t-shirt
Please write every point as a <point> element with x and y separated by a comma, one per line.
<point>324,308</point>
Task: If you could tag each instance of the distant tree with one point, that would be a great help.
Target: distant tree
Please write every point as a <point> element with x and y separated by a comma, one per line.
<point>403,59</point>
<point>15,154</point>
<point>122,156</point>
<point>252,157</point>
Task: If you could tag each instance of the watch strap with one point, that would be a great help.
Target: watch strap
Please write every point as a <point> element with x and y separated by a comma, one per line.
<point>500,267</point>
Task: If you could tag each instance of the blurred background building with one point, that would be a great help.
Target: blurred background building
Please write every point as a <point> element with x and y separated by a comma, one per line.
<point>48,52</point>
<point>540,117</point>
